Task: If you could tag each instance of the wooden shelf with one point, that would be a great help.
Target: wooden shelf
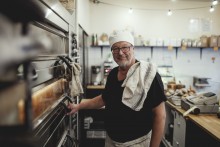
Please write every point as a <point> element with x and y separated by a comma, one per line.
<point>152,47</point>
<point>166,76</point>
<point>165,66</point>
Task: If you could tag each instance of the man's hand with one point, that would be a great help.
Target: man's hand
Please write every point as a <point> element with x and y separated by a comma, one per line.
<point>73,107</point>
<point>94,103</point>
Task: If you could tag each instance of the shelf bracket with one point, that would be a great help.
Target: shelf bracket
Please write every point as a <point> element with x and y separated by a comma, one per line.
<point>176,52</point>
<point>101,51</point>
<point>200,53</point>
<point>151,49</point>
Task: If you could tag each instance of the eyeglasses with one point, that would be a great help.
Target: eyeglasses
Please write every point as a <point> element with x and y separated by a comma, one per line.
<point>124,49</point>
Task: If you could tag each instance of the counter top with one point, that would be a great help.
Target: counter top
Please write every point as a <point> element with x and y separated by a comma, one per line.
<point>95,86</point>
<point>208,122</point>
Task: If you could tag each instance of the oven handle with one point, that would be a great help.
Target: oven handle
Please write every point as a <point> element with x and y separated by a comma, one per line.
<point>69,99</point>
<point>69,68</point>
<point>65,107</point>
<point>68,58</point>
<point>59,69</point>
<point>65,61</point>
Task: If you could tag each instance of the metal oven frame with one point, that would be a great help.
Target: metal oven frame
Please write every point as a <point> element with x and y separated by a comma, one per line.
<point>56,129</point>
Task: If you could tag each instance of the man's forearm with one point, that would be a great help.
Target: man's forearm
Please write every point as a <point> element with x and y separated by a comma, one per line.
<point>93,103</point>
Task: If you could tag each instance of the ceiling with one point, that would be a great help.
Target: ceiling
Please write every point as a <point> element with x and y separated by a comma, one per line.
<point>182,0</point>
<point>158,4</point>
<point>165,1</point>
<point>168,0</point>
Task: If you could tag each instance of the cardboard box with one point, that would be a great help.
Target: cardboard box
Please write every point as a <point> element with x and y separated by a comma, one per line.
<point>184,42</point>
<point>204,41</point>
<point>199,43</point>
<point>189,43</point>
<point>213,41</point>
<point>218,41</point>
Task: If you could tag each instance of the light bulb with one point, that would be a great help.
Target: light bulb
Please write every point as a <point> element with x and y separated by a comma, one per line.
<point>211,9</point>
<point>215,2</point>
<point>169,13</point>
<point>130,10</point>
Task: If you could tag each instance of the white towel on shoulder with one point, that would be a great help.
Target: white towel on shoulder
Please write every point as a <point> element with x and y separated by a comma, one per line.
<point>137,84</point>
<point>76,88</point>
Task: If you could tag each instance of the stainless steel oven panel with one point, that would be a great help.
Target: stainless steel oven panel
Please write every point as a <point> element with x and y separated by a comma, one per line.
<point>51,14</point>
<point>44,71</point>
<point>57,7</point>
<point>55,39</point>
<point>64,20</point>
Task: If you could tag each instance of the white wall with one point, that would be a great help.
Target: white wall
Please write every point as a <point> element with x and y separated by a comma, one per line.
<point>186,65</point>
<point>153,24</point>
<point>83,14</point>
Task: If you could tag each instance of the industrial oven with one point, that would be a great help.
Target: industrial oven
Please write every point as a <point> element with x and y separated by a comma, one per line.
<point>35,89</point>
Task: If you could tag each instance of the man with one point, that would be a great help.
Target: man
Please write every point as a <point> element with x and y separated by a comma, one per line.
<point>133,99</point>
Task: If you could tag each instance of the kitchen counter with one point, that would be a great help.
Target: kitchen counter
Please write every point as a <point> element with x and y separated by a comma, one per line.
<point>210,123</point>
<point>94,90</point>
<point>95,86</point>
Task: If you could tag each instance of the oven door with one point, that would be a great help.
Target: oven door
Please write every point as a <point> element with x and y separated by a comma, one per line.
<point>51,129</point>
<point>33,108</point>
